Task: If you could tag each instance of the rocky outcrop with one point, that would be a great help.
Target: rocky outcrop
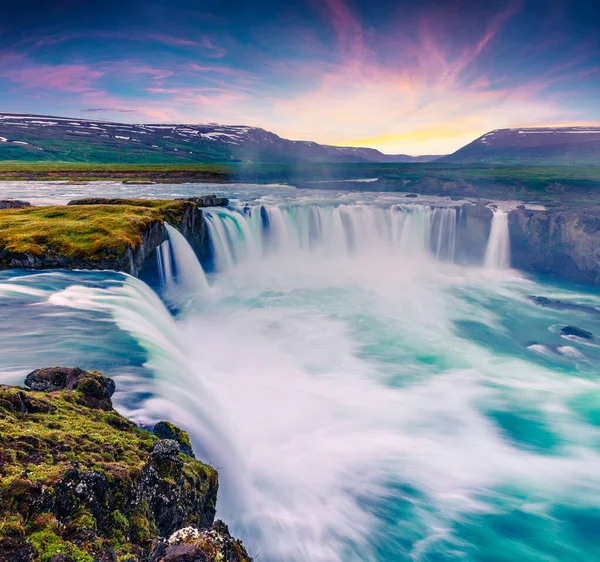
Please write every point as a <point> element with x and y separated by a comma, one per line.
<point>100,234</point>
<point>188,220</point>
<point>166,430</point>
<point>564,242</point>
<point>79,482</point>
<point>13,204</point>
<point>209,201</point>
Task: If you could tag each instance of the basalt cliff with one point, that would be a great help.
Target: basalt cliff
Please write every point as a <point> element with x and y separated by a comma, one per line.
<point>561,241</point>
<point>96,233</point>
<point>81,483</point>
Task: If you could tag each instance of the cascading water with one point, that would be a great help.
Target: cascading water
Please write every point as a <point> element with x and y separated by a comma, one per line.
<point>416,231</point>
<point>363,399</point>
<point>165,264</point>
<point>497,255</point>
<point>180,266</point>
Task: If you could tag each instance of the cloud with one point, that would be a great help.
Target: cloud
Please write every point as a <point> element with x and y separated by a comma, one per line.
<point>72,78</point>
<point>108,110</point>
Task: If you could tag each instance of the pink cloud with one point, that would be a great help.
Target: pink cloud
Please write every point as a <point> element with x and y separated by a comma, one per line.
<point>73,78</point>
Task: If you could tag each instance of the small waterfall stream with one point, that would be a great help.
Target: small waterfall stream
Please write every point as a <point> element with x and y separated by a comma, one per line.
<point>180,265</point>
<point>497,255</point>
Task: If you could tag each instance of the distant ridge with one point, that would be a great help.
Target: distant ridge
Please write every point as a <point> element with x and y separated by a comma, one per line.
<point>539,146</point>
<point>28,137</point>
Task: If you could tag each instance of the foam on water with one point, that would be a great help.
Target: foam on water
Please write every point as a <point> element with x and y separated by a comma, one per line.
<point>363,397</point>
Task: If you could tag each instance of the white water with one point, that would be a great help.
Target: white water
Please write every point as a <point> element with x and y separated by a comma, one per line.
<point>333,374</point>
<point>165,264</point>
<point>341,231</point>
<point>497,255</point>
<point>189,274</point>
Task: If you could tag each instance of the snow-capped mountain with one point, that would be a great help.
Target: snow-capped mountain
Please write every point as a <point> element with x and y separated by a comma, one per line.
<point>540,145</point>
<point>38,137</point>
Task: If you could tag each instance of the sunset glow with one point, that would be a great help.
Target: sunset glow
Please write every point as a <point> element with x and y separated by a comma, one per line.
<point>395,77</point>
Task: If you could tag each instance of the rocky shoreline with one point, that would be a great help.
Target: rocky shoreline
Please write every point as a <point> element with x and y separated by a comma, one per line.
<point>81,483</point>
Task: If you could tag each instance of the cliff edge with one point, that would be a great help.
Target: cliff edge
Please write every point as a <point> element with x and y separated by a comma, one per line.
<point>81,483</point>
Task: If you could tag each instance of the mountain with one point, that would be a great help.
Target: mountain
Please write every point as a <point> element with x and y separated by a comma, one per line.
<point>39,137</point>
<point>540,146</point>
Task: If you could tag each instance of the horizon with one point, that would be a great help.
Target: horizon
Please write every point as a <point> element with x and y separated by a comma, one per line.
<point>390,76</point>
<point>209,124</point>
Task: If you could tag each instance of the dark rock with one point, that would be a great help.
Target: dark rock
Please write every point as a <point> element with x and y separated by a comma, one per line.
<point>411,195</point>
<point>166,448</point>
<point>575,331</point>
<point>166,430</point>
<point>520,206</point>
<point>15,549</point>
<point>563,241</point>
<point>88,488</point>
<point>561,305</point>
<point>13,204</point>
<point>210,201</point>
<point>95,387</point>
<point>164,488</point>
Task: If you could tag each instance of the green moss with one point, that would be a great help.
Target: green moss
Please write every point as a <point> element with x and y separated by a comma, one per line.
<point>142,529</point>
<point>91,232</point>
<point>47,544</point>
<point>42,436</point>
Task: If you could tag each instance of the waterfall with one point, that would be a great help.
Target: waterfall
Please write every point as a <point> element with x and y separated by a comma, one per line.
<point>180,265</point>
<point>497,254</point>
<point>415,231</point>
<point>165,263</point>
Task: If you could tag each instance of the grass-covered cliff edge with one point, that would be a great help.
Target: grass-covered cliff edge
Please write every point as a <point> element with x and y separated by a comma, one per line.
<point>96,233</point>
<point>81,483</point>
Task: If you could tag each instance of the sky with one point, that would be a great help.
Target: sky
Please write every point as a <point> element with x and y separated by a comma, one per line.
<point>412,77</point>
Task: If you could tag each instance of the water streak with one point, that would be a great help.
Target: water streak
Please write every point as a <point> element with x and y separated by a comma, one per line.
<point>497,255</point>
<point>189,274</point>
<point>341,231</point>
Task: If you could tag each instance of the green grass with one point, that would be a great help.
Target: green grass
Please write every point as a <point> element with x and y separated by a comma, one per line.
<point>477,179</point>
<point>86,231</point>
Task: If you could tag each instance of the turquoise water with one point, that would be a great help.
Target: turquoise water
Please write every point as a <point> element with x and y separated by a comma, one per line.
<point>381,405</point>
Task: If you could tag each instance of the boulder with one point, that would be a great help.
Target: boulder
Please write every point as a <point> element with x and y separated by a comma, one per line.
<point>166,430</point>
<point>191,544</point>
<point>95,388</point>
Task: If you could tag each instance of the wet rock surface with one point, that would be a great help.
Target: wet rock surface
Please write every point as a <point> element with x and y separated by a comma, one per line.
<point>577,332</point>
<point>563,241</point>
<point>79,482</point>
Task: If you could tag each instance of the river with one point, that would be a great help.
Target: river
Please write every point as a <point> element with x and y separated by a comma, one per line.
<point>363,396</point>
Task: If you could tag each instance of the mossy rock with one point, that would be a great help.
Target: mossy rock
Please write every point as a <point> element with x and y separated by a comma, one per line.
<point>78,479</point>
<point>167,430</point>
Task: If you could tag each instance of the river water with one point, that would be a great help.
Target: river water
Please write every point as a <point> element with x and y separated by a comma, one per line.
<point>363,397</point>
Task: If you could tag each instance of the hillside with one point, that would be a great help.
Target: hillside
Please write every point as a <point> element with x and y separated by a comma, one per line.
<point>34,138</point>
<point>538,146</point>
